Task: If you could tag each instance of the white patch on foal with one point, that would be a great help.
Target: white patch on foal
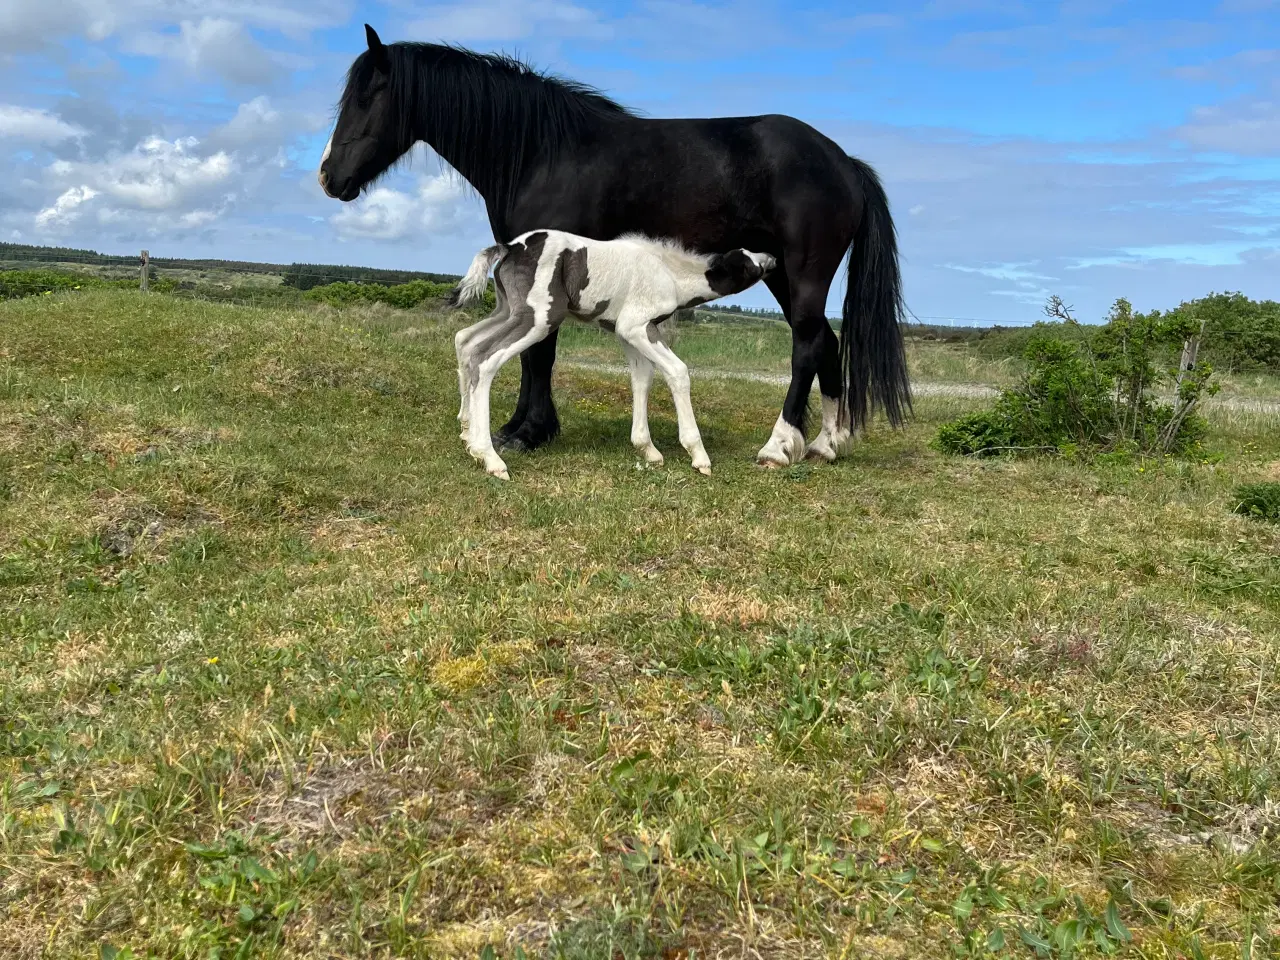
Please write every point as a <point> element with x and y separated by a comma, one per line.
<point>835,434</point>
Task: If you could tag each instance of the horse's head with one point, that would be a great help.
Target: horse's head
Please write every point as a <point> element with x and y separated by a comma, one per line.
<point>370,134</point>
<point>736,270</point>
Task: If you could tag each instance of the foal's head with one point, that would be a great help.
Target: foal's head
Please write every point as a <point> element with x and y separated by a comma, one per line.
<point>736,270</point>
<point>371,133</point>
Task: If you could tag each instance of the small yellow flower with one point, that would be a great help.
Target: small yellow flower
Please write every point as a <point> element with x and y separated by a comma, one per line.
<point>211,661</point>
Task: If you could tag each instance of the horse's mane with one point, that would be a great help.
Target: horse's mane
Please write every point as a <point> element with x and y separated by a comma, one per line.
<point>489,116</point>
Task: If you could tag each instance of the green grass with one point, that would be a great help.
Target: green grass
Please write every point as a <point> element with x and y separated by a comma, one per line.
<point>283,674</point>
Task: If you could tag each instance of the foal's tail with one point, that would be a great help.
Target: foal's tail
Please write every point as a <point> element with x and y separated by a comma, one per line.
<point>873,360</point>
<point>473,285</point>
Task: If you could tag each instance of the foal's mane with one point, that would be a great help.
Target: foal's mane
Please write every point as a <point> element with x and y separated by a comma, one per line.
<point>489,116</point>
<point>669,249</point>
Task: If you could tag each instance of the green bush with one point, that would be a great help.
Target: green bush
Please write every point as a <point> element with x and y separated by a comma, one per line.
<point>30,283</point>
<point>308,276</point>
<point>985,433</point>
<point>1259,500</point>
<point>1093,394</point>
<point>1240,335</point>
<point>405,296</point>
<point>26,283</point>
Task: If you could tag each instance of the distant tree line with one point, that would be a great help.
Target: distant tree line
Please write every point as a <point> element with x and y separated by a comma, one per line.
<point>300,276</point>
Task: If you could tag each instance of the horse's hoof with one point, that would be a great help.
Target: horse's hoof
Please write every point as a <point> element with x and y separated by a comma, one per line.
<point>768,464</point>
<point>826,454</point>
<point>500,474</point>
<point>510,444</point>
<point>705,471</point>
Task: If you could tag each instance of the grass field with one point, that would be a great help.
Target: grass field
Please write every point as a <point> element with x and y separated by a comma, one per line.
<point>283,674</point>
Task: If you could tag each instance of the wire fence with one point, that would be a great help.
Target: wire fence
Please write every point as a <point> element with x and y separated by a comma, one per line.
<point>30,271</point>
<point>265,285</point>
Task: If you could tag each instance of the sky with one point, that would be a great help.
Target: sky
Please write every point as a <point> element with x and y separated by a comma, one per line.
<point>1092,149</point>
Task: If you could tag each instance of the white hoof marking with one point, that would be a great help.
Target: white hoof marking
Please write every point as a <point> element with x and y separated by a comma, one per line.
<point>785,446</point>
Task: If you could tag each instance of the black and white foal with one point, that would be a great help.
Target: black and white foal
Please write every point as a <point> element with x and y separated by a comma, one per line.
<point>631,285</point>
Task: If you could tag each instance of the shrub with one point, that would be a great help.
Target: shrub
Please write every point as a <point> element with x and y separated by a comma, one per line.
<point>308,276</point>
<point>1240,334</point>
<point>26,283</point>
<point>29,283</point>
<point>404,296</point>
<point>1093,393</point>
<point>984,434</point>
<point>1258,500</point>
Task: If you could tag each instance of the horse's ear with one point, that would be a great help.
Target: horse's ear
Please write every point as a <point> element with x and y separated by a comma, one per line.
<point>377,50</point>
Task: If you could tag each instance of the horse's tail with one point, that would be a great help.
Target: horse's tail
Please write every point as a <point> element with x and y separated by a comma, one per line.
<point>873,360</point>
<point>473,285</point>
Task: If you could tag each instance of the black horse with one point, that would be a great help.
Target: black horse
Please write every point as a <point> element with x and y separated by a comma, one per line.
<point>549,153</point>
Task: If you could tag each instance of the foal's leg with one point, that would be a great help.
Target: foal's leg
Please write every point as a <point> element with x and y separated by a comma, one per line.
<point>673,369</point>
<point>524,329</point>
<point>641,380</point>
<point>464,342</point>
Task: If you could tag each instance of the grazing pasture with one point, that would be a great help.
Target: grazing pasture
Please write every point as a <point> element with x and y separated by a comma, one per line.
<point>281,675</point>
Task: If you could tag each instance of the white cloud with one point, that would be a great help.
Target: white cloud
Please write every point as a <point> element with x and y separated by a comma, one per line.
<point>439,205</point>
<point>259,125</point>
<point>39,126</point>
<point>496,21</point>
<point>163,175</point>
<point>65,209</point>
<point>27,25</point>
<point>1250,128</point>
<point>212,45</point>
<point>158,182</point>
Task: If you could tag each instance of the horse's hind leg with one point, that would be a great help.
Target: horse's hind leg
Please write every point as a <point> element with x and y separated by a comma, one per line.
<point>809,265</point>
<point>641,381</point>
<point>809,330</point>
<point>835,433</point>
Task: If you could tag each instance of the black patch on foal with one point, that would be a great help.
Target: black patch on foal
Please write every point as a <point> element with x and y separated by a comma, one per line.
<point>651,331</point>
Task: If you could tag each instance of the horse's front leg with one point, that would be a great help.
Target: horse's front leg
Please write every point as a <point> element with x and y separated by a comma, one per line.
<point>534,422</point>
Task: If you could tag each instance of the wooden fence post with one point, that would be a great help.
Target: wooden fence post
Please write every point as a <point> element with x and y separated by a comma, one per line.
<point>146,261</point>
<point>1190,350</point>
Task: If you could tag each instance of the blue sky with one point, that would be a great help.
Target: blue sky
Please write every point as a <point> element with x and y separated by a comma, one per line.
<point>1090,148</point>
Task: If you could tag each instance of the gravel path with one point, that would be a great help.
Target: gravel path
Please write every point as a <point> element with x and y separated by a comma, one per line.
<point>919,388</point>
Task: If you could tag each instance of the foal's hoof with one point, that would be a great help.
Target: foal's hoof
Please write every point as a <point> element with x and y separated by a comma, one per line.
<point>705,471</point>
<point>767,464</point>
<point>500,474</point>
